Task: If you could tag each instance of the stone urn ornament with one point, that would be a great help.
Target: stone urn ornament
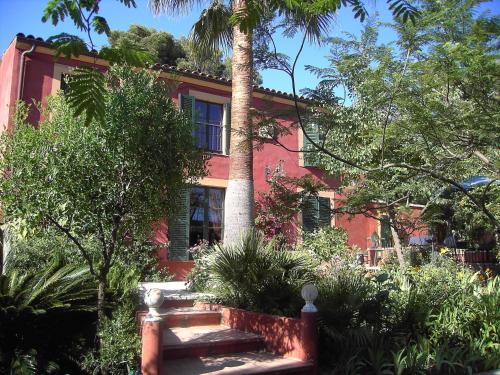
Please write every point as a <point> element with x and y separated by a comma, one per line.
<point>153,298</point>
<point>309,294</point>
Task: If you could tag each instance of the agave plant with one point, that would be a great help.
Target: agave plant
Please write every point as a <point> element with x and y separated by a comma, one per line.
<point>45,317</point>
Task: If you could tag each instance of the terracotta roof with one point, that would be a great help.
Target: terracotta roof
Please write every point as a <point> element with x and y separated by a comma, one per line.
<point>174,69</point>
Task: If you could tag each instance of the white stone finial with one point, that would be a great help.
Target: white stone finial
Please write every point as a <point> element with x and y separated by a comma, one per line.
<point>153,299</point>
<point>309,294</point>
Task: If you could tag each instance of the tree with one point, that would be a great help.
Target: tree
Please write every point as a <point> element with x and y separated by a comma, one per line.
<point>209,62</point>
<point>162,46</point>
<point>102,185</point>
<point>398,122</point>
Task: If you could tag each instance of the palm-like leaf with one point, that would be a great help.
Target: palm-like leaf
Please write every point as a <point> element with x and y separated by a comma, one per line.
<point>173,7</point>
<point>259,276</point>
<point>38,312</point>
<point>213,29</point>
<point>86,93</point>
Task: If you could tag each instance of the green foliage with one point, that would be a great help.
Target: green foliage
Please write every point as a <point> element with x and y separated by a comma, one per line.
<point>162,46</point>
<point>417,115</point>
<point>120,339</point>
<point>34,253</point>
<point>86,88</point>
<point>86,93</point>
<point>257,276</point>
<point>276,209</point>
<point>118,331</point>
<point>30,304</point>
<point>327,244</point>
<point>435,319</point>
<point>133,167</point>
<point>121,351</point>
<point>198,278</point>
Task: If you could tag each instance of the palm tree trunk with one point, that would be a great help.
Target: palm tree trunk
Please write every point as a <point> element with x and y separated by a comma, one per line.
<point>238,212</point>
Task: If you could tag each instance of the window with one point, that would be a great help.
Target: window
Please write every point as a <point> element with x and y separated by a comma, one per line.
<point>208,129</point>
<point>385,232</point>
<point>316,213</point>
<point>199,216</point>
<point>211,123</point>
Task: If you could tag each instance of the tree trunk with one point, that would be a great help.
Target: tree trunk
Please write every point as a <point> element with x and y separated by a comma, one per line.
<point>101,314</point>
<point>396,240</point>
<point>101,299</point>
<point>239,202</point>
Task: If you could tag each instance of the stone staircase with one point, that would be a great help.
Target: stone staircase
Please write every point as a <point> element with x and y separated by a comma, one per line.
<point>196,341</point>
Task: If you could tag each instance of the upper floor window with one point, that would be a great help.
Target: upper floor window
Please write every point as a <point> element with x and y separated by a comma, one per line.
<point>211,123</point>
<point>208,129</point>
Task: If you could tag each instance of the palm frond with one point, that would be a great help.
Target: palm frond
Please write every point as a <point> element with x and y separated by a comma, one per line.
<point>213,29</point>
<point>68,45</point>
<point>173,7</point>
<point>403,9</point>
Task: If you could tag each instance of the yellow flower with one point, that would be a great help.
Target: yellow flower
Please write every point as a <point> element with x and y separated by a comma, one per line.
<point>444,250</point>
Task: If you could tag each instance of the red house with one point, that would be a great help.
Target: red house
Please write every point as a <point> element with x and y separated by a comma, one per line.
<point>29,72</point>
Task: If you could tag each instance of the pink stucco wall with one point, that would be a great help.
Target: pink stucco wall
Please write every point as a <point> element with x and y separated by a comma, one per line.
<point>9,75</point>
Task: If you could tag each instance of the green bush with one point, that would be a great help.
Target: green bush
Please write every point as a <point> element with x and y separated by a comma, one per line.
<point>434,319</point>
<point>328,244</point>
<point>198,278</point>
<point>121,342</point>
<point>47,318</point>
<point>260,276</point>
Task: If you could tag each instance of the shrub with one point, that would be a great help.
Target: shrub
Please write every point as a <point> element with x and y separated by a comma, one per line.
<point>199,276</point>
<point>47,318</point>
<point>261,277</point>
<point>328,243</point>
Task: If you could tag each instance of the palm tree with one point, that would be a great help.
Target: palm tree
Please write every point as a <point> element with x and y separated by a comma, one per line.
<point>231,24</point>
<point>213,30</point>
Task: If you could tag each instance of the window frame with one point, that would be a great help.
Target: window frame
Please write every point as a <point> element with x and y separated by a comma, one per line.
<point>206,227</point>
<point>207,123</point>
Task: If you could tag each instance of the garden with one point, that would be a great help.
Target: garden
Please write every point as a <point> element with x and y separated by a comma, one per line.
<point>435,317</point>
<point>396,124</point>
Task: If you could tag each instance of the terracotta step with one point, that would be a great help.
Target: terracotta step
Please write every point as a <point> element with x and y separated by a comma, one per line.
<point>202,341</point>
<point>177,302</point>
<point>189,317</point>
<point>237,364</point>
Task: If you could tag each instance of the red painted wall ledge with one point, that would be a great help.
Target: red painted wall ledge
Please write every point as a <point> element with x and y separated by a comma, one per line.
<point>282,336</point>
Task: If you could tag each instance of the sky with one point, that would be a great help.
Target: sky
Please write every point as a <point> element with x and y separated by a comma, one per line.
<point>25,16</point>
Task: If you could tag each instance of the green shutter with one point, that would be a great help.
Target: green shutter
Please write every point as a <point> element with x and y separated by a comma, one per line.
<point>178,229</point>
<point>316,213</point>
<point>187,106</point>
<point>310,214</point>
<point>312,131</point>
<point>227,126</point>
<point>324,212</point>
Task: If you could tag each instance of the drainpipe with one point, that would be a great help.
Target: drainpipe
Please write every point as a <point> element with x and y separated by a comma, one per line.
<point>21,71</point>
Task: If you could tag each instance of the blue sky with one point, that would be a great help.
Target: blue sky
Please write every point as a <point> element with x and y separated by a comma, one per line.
<point>25,16</point>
